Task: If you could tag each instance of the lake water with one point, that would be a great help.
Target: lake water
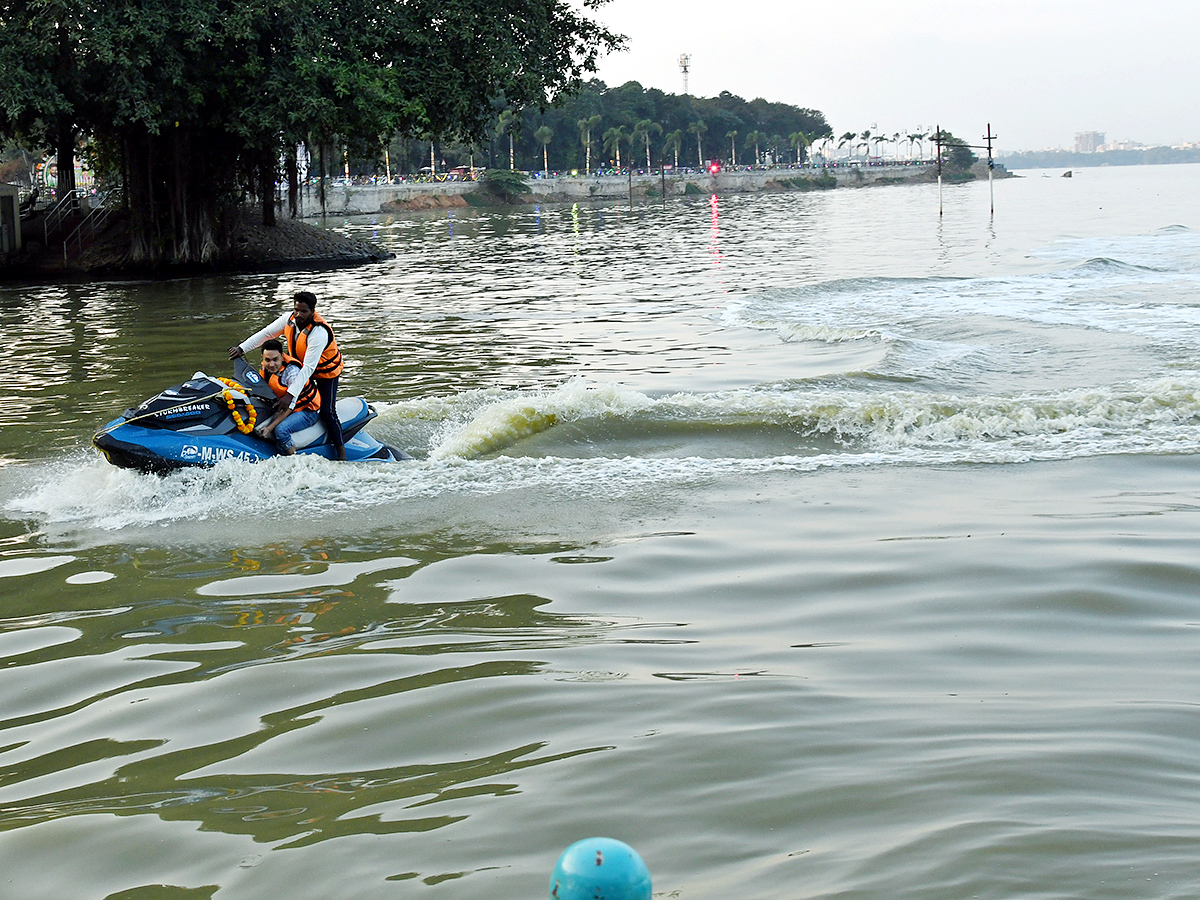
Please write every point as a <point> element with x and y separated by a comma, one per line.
<point>812,544</point>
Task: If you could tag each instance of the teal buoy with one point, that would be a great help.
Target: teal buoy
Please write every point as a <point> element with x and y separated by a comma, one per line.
<point>600,869</point>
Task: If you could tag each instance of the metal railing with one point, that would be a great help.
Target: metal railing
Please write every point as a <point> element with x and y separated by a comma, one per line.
<point>55,213</point>
<point>102,207</point>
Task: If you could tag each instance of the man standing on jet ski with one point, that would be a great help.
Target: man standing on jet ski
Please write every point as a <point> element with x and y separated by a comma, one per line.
<point>308,338</point>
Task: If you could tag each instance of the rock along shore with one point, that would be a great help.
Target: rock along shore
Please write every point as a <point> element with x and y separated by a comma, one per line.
<point>289,245</point>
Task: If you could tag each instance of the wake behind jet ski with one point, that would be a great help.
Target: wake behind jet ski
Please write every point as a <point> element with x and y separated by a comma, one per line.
<point>207,419</point>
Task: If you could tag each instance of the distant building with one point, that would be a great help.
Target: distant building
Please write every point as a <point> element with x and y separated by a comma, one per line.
<point>1088,141</point>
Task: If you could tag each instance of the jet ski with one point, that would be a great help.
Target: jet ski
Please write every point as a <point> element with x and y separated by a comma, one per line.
<point>207,419</point>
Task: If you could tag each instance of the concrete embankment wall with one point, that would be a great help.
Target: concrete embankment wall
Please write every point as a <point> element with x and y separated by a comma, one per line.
<point>367,199</point>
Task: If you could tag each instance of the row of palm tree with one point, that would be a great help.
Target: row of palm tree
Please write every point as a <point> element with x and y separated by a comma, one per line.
<point>854,142</point>
<point>640,136</point>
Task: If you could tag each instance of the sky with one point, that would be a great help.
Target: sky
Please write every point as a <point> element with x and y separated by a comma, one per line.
<point>1037,70</point>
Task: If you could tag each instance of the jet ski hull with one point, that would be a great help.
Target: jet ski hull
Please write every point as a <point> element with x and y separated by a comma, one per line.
<point>186,426</point>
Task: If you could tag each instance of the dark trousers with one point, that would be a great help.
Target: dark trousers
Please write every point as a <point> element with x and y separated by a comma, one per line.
<point>327,388</point>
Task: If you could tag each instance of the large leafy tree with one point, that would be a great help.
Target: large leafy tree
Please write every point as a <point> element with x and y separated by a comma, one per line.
<point>196,102</point>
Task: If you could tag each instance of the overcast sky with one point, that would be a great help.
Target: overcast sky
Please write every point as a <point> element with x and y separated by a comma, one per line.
<point>1037,70</point>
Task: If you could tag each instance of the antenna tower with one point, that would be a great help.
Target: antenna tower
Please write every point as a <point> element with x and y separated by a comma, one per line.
<point>685,63</point>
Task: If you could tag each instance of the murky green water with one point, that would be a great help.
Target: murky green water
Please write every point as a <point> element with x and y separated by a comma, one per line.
<point>810,545</point>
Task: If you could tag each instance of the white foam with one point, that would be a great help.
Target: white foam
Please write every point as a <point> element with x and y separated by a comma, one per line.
<point>850,424</point>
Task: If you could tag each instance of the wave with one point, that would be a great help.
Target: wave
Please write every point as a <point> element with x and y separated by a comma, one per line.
<point>874,419</point>
<point>1105,265</point>
<point>606,439</point>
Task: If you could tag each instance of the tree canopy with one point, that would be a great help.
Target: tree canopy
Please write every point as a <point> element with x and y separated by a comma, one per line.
<point>630,105</point>
<point>196,102</point>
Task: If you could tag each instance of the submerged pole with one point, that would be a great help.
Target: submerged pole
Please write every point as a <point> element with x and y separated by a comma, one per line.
<point>989,137</point>
<point>938,138</point>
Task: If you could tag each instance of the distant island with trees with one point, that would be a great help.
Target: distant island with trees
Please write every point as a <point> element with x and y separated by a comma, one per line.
<point>1058,159</point>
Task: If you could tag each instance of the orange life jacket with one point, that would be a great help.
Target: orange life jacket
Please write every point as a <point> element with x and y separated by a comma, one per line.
<point>330,364</point>
<point>308,399</point>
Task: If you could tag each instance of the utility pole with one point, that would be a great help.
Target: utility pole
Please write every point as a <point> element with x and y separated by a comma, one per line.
<point>685,64</point>
<point>989,137</point>
<point>938,138</point>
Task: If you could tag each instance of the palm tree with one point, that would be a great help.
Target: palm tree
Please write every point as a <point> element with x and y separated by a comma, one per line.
<point>756,137</point>
<point>732,135</point>
<point>585,135</point>
<point>545,135</point>
<point>506,125</point>
<point>642,131</point>
<point>918,137</point>
<point>846,140</point>
<point>896,140</point>
<point>674,141</point>
<point>613,138</point>
<point>864,140</point>
<point>799,140</point>
<point>698,128</point>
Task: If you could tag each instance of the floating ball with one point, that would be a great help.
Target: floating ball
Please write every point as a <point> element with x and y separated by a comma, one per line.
<point>600,869</point>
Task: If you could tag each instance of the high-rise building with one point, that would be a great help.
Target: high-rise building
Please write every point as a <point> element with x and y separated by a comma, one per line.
<point>1088,141</point>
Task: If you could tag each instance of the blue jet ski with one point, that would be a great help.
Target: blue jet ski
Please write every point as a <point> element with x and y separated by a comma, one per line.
<point>204,421</point>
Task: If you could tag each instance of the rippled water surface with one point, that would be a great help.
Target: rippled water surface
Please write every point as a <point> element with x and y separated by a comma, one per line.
<point>812,544</point>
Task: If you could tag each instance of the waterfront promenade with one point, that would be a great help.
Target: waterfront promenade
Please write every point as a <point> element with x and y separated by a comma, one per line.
<point>353,199</point>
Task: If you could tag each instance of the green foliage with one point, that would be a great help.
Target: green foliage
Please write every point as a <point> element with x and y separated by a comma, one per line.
<point>631,105</point>
<point>957,157</point>
<point>198,99</point>
<point>689,189</point>
<point>504,183</point>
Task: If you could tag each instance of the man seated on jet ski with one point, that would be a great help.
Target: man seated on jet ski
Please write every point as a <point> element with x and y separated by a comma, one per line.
<point>294,411</point>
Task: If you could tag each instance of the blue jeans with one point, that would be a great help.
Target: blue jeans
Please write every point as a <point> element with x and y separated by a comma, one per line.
<point>297,421</point>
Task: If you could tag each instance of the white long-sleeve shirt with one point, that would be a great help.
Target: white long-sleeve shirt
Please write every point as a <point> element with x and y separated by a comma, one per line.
<point>318,340</point>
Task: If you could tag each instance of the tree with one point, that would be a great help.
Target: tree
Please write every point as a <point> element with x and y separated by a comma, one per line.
<point>642,130</point>
<point>732,135</point>
<point>508,122</point>
<point>698,128</point>
<point>957,157</point>
<point>544,136</point>
<point>585,134</point>
<point>864,140</point>
<point>194,102</point>
<point>846,140</point>
<point>756,137</point>
<point>674,141</point>
<point>800,142</point>
<point>613,138</point>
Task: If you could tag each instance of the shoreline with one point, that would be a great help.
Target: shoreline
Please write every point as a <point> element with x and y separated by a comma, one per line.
<point>299,245</point>
<point>367,199</point>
